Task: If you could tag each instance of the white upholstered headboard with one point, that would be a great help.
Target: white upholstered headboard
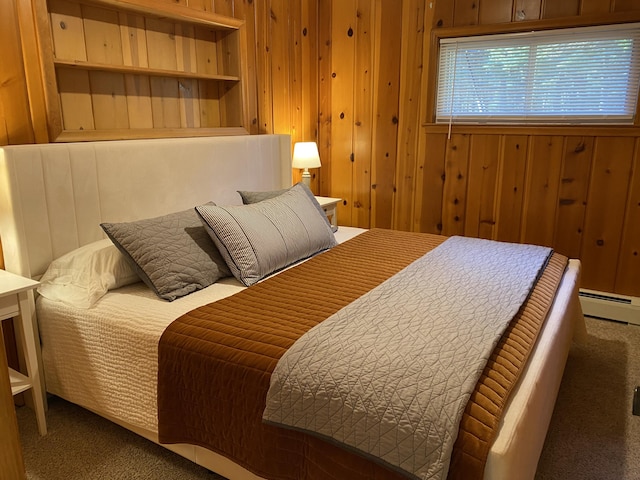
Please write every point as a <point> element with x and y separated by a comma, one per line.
<point>53,197</point>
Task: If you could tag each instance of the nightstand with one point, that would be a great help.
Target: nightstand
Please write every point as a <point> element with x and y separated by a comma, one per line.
<point>329,205</point>
<point>14,302</point>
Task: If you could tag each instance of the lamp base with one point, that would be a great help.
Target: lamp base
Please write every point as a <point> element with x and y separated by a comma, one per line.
<point>306,177</point>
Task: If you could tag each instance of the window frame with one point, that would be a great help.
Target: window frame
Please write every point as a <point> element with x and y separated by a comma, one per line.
<point>432,54</point>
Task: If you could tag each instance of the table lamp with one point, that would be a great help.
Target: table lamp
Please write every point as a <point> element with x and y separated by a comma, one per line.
<point>306,156</point>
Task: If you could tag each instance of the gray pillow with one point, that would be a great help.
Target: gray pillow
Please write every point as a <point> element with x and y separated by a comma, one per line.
<point>255,197</point>
<point>172,254</point>
<point>259,239</point>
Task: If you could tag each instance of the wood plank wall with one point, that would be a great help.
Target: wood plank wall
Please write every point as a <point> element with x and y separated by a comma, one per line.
<point>356,76</point>
<point>575,189</point>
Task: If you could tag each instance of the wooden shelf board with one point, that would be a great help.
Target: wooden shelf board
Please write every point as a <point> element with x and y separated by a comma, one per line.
<point>172,11</point>
<point>153,72</point>
<point>126,134</point>
<point>19,382</point>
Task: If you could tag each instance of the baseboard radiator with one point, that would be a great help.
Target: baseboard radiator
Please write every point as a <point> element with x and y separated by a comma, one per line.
<point>610,306</point>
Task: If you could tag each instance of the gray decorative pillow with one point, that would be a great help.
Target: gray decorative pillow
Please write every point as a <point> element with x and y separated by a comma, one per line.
<point>259,239</point>
<point>254,197</point>
<point>172,254</point>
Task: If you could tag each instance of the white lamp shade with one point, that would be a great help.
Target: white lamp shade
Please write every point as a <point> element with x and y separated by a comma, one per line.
<point>305,155</point>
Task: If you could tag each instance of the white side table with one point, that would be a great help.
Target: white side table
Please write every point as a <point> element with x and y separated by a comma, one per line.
<point>329,205</point>
<point>14,302</point>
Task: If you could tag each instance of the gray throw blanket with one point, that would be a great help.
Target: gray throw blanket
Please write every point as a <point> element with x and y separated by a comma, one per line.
<point>391,373</point>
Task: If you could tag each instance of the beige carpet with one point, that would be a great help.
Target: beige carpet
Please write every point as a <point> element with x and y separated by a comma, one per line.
<point>592,434</point>
<point>80,445</point>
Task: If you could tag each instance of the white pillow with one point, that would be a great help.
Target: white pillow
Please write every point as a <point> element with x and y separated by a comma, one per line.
<point>81,277</point>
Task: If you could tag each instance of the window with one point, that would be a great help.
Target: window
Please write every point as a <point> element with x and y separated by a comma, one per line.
<point>570,76</point>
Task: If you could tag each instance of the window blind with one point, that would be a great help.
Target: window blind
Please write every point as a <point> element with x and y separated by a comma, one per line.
<point>575,76</point>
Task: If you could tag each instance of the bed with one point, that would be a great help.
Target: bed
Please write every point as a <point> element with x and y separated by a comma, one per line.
<point>105,358</point>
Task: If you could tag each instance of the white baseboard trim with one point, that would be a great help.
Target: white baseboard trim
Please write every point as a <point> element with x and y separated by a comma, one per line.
<point>610,306</point>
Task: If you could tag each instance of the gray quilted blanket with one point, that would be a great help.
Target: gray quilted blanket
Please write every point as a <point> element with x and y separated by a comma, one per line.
<point>390,374</point>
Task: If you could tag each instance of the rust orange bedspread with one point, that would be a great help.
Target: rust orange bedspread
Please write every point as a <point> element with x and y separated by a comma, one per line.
<point>215,362</point>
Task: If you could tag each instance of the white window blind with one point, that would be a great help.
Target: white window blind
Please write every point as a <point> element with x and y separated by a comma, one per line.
<point>568,76</point>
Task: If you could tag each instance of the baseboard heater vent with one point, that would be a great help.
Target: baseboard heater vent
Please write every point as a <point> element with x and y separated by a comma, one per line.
<point>610,306</point>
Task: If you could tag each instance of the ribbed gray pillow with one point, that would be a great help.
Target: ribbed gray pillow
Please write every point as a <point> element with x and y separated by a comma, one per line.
<point>172,254</point>
<point>249,197</point>
<point>259,239</point>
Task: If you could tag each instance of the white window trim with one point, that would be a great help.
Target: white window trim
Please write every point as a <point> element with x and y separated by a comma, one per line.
<point>448,116</point>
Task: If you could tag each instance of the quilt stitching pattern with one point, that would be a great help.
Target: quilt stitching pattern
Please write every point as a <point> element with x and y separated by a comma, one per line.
<point>389,374</point>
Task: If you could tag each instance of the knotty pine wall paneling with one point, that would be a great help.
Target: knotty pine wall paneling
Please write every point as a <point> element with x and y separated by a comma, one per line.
<point>624,5</point>
<point>414,210</point>
<point>363,113</point>
<point>466,12</point>
<point>263,58</point>
<point>541,189</point>
<point>308,71</point>
<point>572,195</point>
<point>386,92</point>
<point>629,258</point>
<point>607,199</point>
<point>409,110</point>
<point>282,67</point>
<point>325,78</point>
<point>588,7</point>
<point>430,178</point>
<point>286,66</point>
<point>565,8</point>
<point>524,10</point>
<point>343,61</point>
<point>499,11</point>
<point>481,187</point>
<point>510,184</point>
<point>247,10</point>
<point>455,186</point>
<point>367,100</point>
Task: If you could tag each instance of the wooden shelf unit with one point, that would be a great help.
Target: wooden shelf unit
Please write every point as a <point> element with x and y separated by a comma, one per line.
<point>139,69</point>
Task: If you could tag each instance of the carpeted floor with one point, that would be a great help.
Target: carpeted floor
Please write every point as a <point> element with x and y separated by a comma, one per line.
<point>593,434</point>
<point>80,445</point>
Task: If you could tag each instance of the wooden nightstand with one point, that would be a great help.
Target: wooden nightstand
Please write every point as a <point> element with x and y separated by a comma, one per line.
<point>14,302</point>
<point>329,205</point>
